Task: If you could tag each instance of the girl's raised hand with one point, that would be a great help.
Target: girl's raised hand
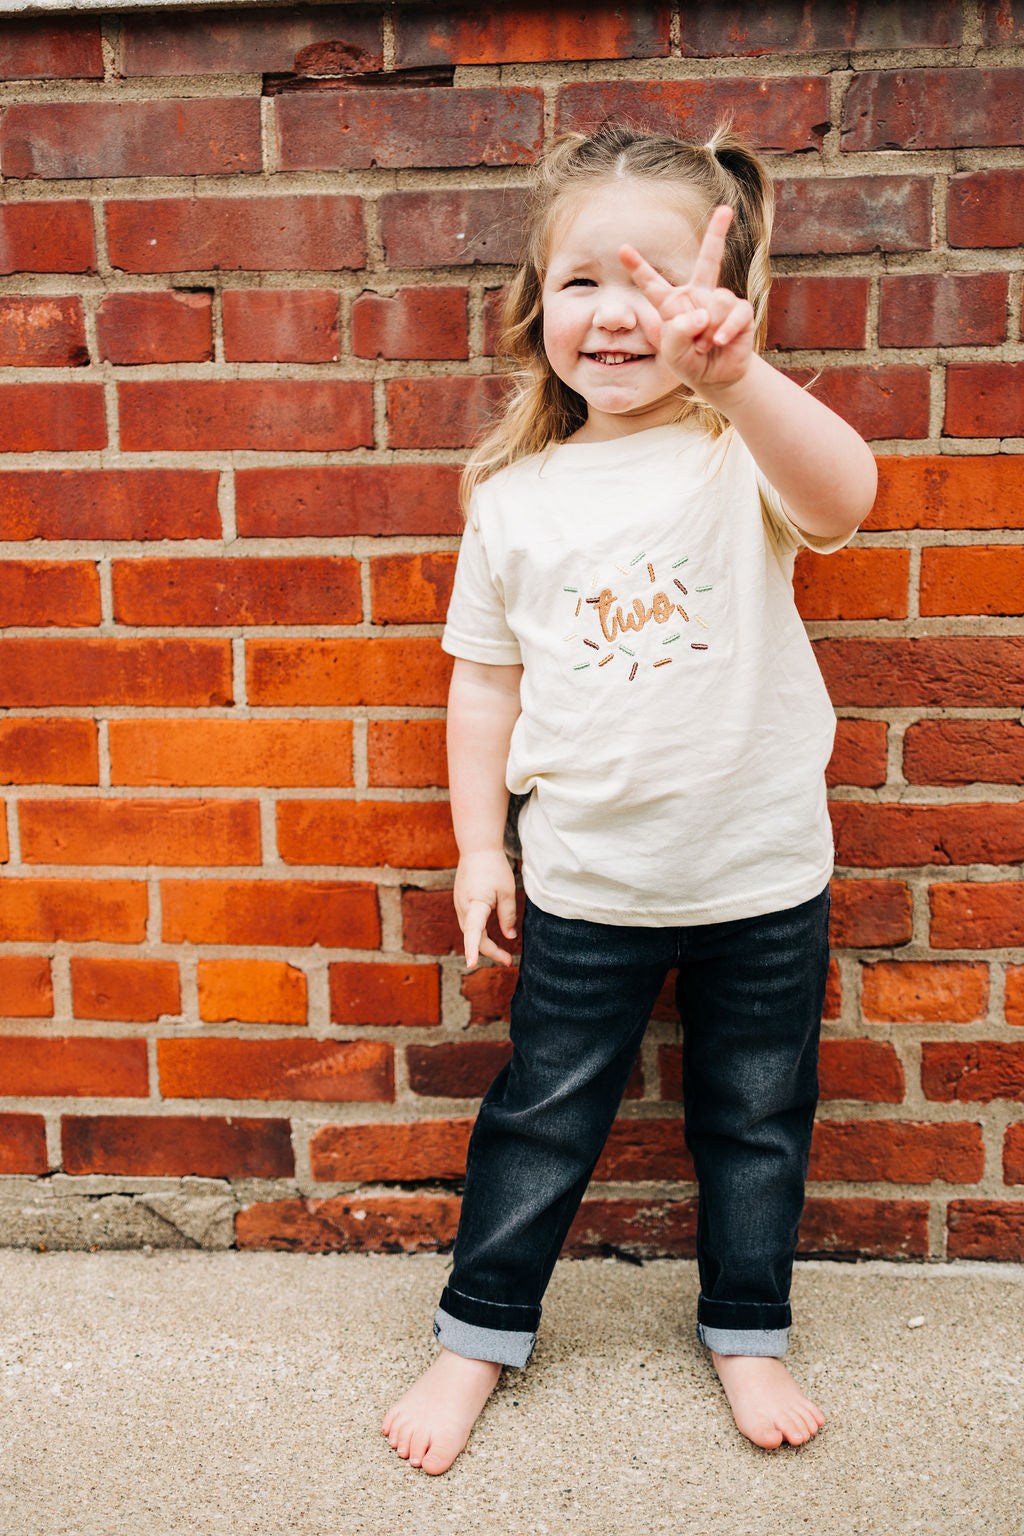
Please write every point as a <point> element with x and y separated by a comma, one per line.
<point>706,333</point>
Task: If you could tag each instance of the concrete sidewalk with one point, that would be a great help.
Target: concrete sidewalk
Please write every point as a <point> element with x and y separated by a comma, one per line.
<point>176,1391</point>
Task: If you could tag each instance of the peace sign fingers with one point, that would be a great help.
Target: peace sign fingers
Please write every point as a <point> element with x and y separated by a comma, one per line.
<point>666,298</point>
<point>712,249</point>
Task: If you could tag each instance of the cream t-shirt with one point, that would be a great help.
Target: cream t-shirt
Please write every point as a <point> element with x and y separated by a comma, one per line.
<point>675,727</point>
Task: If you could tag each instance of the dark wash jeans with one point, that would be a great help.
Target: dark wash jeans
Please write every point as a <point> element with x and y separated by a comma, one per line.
<point>750,995</point>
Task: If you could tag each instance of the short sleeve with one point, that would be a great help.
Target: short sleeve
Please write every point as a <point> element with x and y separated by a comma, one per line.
<point>784,532</point>
<point>477,628</point>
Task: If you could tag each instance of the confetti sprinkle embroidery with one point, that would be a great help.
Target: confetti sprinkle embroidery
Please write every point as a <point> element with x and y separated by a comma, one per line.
<point>679,585</point>
<point>697,645</point>
<point>637,558</point>
<point>606,659</point>
<point>666,661</point>
<point>579,605</point>
<point>677,563</point>
<point>581,666</point>
<point>617,612</point>
<point>650,572</point>
<point>632,670</point>
<point>593,644</point>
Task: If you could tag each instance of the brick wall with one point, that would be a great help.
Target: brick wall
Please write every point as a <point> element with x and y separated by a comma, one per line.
<point>251,265</point>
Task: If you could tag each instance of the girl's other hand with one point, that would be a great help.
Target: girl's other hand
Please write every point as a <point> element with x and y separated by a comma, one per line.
<point>484,883</point>
<point>706,333</point>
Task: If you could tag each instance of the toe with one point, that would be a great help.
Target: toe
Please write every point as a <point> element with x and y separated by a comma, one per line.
<point>418,1445</point>
<point>436,1461</point>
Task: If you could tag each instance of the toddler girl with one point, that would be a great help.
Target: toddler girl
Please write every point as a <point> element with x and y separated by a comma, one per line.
<point>630,660</point>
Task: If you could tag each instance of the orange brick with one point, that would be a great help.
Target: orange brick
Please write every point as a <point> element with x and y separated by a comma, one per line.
<point>986,1229</point>
<point>78,911</point>
<point>867,1070</point>
<point>853,1227</point>
<point>321,1070</point>
<point>489,993</point>
<point>336,915</point>
<point>981,579</point>
<point>385,994</point>
<point>644,1149</point>
<point>897,1151</point>
<point>252,991</point>
<point>23,1144</point>
<point>1014,1002</point>
<point>949,491</point>
<point>40,751</point>
<point>45,592</point>
<point>859,754</point>
<point>26,989</point>
<point>61,418</point>
<point>411,589</point>
<point>177,1146</point>
<point>73,1067</point>
<point>407,753</point>
<point>336,500</point>
<point>42,333</point>
<point>196,753</point>
<point>975,914</point>
<point>852,584</point>
<point>237,591</point>
<point>1013,1154</point>
<point>140,831</point>
<point>923,992</point>
<point>870,914</point>
<point>347,1224</point>
<point>402,834</point>
<point>873,836</point>
<point>964,752</point>
<point>975,1071</point>
<point>647,1229</point>
<point>163,673</point>
<point>140,990</point>
<point>345,672</point>
<point>421,1149</point>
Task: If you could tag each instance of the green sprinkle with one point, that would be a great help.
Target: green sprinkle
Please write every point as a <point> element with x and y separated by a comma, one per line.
<point>703,589</point>
<point>627,650</point>
<point>669,638</point>
<point>570,589</point>
<point>581,666</point>
<point>637,558</point>
<point>677,563</point>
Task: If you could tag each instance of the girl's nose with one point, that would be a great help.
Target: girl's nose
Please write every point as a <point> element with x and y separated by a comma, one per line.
<point>615,310</point>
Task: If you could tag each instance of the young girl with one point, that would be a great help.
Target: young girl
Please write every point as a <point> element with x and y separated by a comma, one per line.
<point>629,658</point>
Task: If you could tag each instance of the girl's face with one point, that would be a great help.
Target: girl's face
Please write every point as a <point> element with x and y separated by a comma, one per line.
<point>600,333</point>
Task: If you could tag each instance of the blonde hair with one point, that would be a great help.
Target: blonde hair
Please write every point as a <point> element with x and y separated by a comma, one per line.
<point>541,410</point>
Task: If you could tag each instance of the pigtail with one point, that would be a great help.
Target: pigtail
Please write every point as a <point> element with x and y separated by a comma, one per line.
<point>749,272</point>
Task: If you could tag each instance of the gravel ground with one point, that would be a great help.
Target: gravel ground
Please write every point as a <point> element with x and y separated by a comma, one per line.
<point>168,1392</point>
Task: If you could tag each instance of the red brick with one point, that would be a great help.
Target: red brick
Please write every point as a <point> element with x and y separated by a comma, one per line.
<point>974,914</point>
<point>974,579</point>
<point>26,989</point>
<point>5,846</point>
<point>336,914</point>
<point>643,1229</point>
<point>489,993</point>
<point>887,401</point>
<point>455,1070</point>
<point>859,754</point>
<point>231,234</point>
<point>73,1067</point>
<point>406,753</point>
<point>984,400</point>
<point>140,990</point>
<point>338,500</point>
<point>452,226</point>
<point>156,327</point>
<point>818,312</point>
<point>986,208</point>
<point>1013,1003</point>
<point>867,1070</point>
<point>238,43</point>
<point>860,1228</point>
<point>964,752</point>
<point>390,1151</point>
<point>530,33</point>
<point>870,914</point>
<point>302,415</point>
<point>429,924</point>
<point>853,584</point>
<point>321,591</point>
<point>42,333</point>
<point>109,504</point>
<point>429,322</point>
<point>949,491</point>
<point>398,834</point>
<point>833,1006</point>
<point>942,309</point>
<point>985,1229</point>
<point>442,413</point>
<point>23,1144</point>
<point>644,1149</point>
<point>140,831</point>
<point>177,1146</point>
<point>973,1072</point>
<point>493,313</point>
<point>407,127</point>
<point>37,593</point>
<point>932,109</point>
<point>959,672</point>
<point>344,1224</point>
<point>45,48</point>
<point>1013,1154</point>
<point>59,417</point>
<point>261,753</point>
<point>345,672</point>
<point>877,836</point>
<point>716,28</point>
<point>78,911</point>
<point>321,1070</point>
<point>46,237</point>
<point>781,113</point>
<point>411,589</point>
<point>251,991</point>
<point>280,325</point>
<point>375,993</point>
<point>192,136</point>
<point>855,213</point>
<point>897,1151</point>
<point>923,992</point>
<point>1002,24</point>
<point>169,673</point>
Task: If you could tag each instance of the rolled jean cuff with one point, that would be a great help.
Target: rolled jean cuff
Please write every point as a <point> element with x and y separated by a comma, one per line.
<point>499,1345</point>
<point>744,1341</point>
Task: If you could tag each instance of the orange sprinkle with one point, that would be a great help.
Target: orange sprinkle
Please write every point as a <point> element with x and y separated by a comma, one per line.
<point>650,570</point>
<point>666,661</point>
<point>606,659</point>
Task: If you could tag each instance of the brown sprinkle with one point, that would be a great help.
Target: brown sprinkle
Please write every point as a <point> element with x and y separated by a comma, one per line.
<point>695,645</point>
<point>632,673</point>
<point>593,645</point>
<point>679,585</point>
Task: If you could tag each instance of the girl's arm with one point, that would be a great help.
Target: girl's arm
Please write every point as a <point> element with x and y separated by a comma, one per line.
<point>483,706</point>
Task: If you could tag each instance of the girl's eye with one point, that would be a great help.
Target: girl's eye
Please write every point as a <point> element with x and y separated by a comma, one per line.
<point>581,282</point>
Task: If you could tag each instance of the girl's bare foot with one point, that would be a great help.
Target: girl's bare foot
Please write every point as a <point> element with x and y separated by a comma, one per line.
<point>766,1402</point>
<point>430,1425</point>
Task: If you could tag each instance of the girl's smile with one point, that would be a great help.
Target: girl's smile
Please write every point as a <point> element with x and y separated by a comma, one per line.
<point>600,333</point>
